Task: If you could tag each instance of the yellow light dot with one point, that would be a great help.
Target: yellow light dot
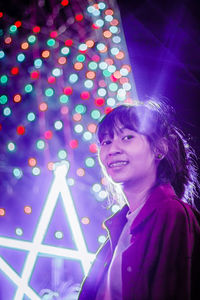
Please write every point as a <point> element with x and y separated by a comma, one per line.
<point>17,98</point>
<point>85,220</point>
<point>120,55</point>
<point>2,212</point>
<point>89,43</point>
<point>77,117</point>
<point>78,66</point>
<point>28,209</point>
<point>24,46</point>
<point>43,106</point>
<point>45,53</point>
<point>107,34</point>
<point>62,60</point>
<point>80,172</point>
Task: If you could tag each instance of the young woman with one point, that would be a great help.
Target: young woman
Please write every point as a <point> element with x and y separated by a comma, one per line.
<point>153,246</point>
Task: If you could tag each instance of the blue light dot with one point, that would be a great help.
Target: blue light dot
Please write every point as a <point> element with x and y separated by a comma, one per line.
<point>115,208</point>
<point>62,154</point>
<point>20,57</point>
<point>89,162</point>
<point>92,65</point>
<point>96,187</point>
<point>2,54</point>
<point>32,39</point>
<point>57,72</point>
<point>7,111</point>
<point>114,51</point>
<point>73,78</point>
<point>58,235</point>
<point>113,87</point>
<point>121,94</point>
<point>17,173</point>
<point>101,239</point>
<point>103,65</point>
<point>80,109</point>
<point>3,99</point>
<point>100,46</point>
<point>19,231</point>
<point>96,12</point>
<point>78,128</point>
<point>70,181</point>
<point>11,146</point>
<point>36,171</point>
<point>108,18</point>
<point>28,88</point>
<point>95,114</point>
<point>90,9</point>
<point>58,125</point>
<point>87,135</point>
<point>116,39</point>
<point>113,29</point>
<point>101,5</point>
<point>65,50</point>
<point>123,71</point>
<point>88,84</point>
<point>111,102</point>
<point>31,117</point>
<point>64,99</point>
<point>112,69</point>
<point>38,63</point>
<point>103,195</point>
<point>127,86</point>
<point>49,92</point>
<point>101,92</point>
<point>40,144</point>
<point>99,22</point>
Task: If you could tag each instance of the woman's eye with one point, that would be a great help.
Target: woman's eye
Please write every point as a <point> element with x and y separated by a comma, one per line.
<point>105,142</point>
<point>128,137</point>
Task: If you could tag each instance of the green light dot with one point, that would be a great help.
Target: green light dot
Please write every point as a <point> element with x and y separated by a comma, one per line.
<point>113,29</point>
<point>101,5</point>
<point>111,102</point>
<point>51,42</point>
<point>19,231</point>
<point>36,171</point>
<point>4,79</point>
<point>101,92</point>
<point>32,39</point>
<point>20,57</point>
<point>28,88</point>
<point>58,125</point>
<point>113,87</point>
<point>64,99</point>
<point>31,117</point>
<point>108,18</point>
<point>49,92</point>
<point>81,109</point>
<point>116,39</point>
<point>65,51</point>
<point>62,154</point>
<point>100,46</point>
<point>73,78</point>
<point>114,51</point>
<point>7,111</point>
<point>99,22</point>
<point>11,147</point>
<point>58,235</point>
<point>111,69</point>
<point>13,29</point>
<point>81,58</point>
<point>38,63</point>
<point>88,84</point>
<point>1,32</point>
<point>101,239</point>
<point>106,73</point>
<point>40,144</point>
<point>2,54</point>
<point>95,114</point>
<point>92,65</point>
<point>89,162</point>
<point>17,173</point>
<point>3,99</point>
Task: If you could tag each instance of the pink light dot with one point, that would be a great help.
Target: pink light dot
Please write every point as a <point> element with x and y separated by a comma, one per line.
<point>93,148</point>
<point>48,134</point>
<point>85,95</point>
<point>96,58</point>
<point>64,110</point>
<point>51,79</point>
<point>68,91</point>
<point>73,144</point>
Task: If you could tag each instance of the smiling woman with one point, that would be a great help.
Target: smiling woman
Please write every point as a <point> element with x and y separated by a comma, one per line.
<point>153,245</point>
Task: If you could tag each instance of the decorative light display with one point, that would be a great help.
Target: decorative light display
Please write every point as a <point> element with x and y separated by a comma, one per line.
<point>59,75</point>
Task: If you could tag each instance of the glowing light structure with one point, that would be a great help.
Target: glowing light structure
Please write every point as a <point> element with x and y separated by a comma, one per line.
<point>36,247</point>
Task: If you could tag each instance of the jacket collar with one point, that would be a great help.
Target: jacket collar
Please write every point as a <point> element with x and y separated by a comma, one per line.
<point>116,222</point>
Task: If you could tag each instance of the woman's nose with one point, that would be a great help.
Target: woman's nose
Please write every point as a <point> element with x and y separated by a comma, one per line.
<point>115,149</point>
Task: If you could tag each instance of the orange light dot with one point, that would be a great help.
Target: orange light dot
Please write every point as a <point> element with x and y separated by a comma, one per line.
<point>104,50</point>
<point>103,226</point>
<point>90,74</point>
<point>45,54</point>
<point>96,6</point>
<point>109,12</point>
<point>8,40</point>
<point>114,22</point>
<point>24,46</point>
<point>50,166</point>
<point>2,212</point>
<point>43,106</point>
<point>107,34</point>
<point>78,66</point>
<point>85,220</point>
<point>117,74</point>
<point>77,117</point>
<point>17,98</point>
<point>89,43</point>
<point>32,162</point>
<point>28,209</point>
<point>80,172</point>
<point>120,55</point>
<point>62,60</point>
<point>92,127</point>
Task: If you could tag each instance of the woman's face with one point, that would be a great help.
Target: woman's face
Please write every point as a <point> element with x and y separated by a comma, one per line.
<point>127,157</point>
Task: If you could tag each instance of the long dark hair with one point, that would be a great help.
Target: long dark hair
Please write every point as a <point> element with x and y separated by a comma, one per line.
<point>156,120</point>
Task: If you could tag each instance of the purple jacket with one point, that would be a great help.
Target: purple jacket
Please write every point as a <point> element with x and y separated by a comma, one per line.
<point>163,259</point>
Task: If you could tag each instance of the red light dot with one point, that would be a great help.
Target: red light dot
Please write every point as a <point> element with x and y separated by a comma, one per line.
<point>20,130</point>
<point>113,78</point>
<point>35,75</point>
<point>79,17</point>
<point>108,110</point>
<point>65,2</point>
<point>32,162</point>
<point>93,148</point>
<point>51,79</point>
<point>68,43</point>
<point>14,71</point>
<point>2,212</point>
<point>48,134</point>
<point>17,98</point>
<point>99,101</point>
<point>53,34</point>
<point>1,14</point>
<point>18,24</point>
<point>85,95</point>
<point>73,144</point>
<point>94,26</point>
<point>36,29</point>
<point>0,126</point>
<point>68,90</point>
<point>28,210</point>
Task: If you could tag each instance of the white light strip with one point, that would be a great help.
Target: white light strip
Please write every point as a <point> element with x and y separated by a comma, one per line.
<point>17,280</point>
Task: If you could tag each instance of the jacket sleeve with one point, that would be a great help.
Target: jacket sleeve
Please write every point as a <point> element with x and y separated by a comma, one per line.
<point>165,264</point>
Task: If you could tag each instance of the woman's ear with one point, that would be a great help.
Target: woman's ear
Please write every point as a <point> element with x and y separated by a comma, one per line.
<point>161,149</point>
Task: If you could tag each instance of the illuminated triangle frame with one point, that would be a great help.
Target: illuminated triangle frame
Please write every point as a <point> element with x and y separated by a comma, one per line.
<point>34,248</point>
